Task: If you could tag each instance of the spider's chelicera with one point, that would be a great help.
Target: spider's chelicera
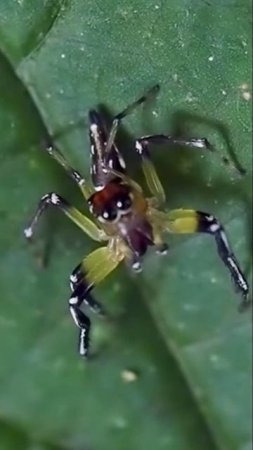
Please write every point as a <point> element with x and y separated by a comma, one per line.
<point>123,217</point>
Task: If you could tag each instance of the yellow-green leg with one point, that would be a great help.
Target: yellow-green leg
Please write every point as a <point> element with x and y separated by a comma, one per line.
<point>152,179</point>
<point>92,270</point>
<point>151,176</point>
<point>142,147</point>
<point>191,221</point>
<point>52,199</point>
<point>74,174</point>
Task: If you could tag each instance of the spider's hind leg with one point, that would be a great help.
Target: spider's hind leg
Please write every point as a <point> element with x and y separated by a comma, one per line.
<point>191,221</point>
<point>91,271</point>
<point>81,288</point>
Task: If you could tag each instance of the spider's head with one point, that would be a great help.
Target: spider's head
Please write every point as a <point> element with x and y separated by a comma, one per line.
<point>122,210</point>
<point>111,203</point>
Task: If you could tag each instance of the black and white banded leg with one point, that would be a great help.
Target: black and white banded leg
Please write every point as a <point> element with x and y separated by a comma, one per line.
<point>143,143</point>
<point>128,110</point>
<point>209,224</point>
<point>83,323</point>
<point>184,221</point>
<point>81,294</point>
<point>99,158</point>
<point>81,289</point>
<point>90,272</point>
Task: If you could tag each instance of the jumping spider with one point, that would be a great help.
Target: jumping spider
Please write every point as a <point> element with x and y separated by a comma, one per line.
<point>123,217</point>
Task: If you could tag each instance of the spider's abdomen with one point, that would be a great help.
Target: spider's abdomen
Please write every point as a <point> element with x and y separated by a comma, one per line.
<point>139,237</point>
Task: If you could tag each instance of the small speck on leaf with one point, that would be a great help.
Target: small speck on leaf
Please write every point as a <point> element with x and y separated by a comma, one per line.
<point>129,375</point>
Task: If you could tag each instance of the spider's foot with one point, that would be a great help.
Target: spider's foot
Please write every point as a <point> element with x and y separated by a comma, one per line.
<point>28,232</point>
<point>245,304</point>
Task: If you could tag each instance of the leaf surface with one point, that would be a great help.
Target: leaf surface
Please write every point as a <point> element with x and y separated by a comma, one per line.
<point>176,326</point>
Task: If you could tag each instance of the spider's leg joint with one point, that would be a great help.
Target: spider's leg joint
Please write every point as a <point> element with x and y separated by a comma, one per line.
<point>73,300</point>
<point>136,266</point>
<point>50,149</point>
<point>94,128</point>
<point>54,198</point>
<point>201,143</point>
<point>28,232</point>
<point>141,148</point>
<point>162,249</point>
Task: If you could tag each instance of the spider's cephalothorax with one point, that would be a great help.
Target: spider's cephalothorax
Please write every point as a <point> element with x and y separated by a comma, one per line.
<point>122,210</point>
<point>124,218</point>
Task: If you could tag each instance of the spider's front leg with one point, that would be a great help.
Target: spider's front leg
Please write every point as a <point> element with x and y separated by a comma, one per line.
<point>91,271</point>
<point>191,221</point>
<point>55,153</point>
<point>128,110</point>
<point>142,147</point>
<point>76,216</point>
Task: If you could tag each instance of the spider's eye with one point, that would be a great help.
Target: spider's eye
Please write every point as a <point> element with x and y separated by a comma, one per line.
<point>109,214</point>
<point>124,202</point>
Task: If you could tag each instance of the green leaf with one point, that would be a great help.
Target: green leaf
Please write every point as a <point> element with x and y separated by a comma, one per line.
<point>176,327</point>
